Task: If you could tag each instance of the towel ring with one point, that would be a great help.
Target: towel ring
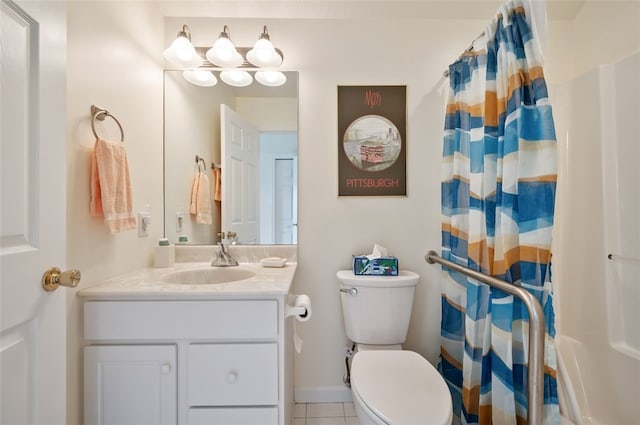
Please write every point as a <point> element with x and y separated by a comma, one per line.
<point>100,114</point>
<point>204,164</point>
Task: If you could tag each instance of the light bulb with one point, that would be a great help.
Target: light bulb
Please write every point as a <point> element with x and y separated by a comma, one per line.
<point>263,54</point>
<point>183,48</point>
<point>236,78</point>
<point>182,53</point>
<point>271,78</point>
<point>200,77</point>
<point>223,53</point>
<point>264,49</point>
<point>224,48</point>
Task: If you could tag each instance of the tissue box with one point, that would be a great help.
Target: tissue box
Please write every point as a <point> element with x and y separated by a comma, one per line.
<point>385,266</point>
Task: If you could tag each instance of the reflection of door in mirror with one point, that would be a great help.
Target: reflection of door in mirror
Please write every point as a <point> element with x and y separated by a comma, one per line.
<point>240,163</point>
<point>259,183</point>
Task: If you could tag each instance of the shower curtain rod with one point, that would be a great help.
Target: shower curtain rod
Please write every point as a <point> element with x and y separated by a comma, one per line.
<point>445,74</point>
<point>535,395</point>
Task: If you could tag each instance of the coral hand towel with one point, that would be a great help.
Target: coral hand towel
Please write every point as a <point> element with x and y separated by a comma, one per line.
<point>111,186</point>
<point>203,200</point>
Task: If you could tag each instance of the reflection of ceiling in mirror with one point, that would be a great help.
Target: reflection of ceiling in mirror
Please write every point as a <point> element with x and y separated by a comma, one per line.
<point>288,89</point>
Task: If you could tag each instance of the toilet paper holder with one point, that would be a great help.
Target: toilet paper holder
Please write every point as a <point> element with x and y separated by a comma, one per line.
<point>298,306</point>
<point>297,311</point>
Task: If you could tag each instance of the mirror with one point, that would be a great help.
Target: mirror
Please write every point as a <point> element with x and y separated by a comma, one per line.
<point>194,126</point>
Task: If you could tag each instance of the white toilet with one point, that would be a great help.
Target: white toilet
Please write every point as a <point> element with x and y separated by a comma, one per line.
<point>390,386</point>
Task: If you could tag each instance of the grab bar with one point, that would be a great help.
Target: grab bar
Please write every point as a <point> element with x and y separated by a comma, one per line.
<point>535,396</point>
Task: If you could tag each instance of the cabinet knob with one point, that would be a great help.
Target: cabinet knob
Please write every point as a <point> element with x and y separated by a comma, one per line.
<point>232,377</point>
<point>165,368</point>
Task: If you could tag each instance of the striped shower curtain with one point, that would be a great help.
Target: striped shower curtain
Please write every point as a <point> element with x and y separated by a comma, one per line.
<point>498,193</point>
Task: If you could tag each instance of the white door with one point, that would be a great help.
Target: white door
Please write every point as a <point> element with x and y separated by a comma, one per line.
<point>240,148</point>
<point>32,216</point>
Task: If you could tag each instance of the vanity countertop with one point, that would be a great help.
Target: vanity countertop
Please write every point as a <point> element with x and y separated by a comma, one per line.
<point>148,284</point>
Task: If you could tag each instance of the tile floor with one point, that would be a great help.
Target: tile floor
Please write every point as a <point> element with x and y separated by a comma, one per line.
<point>324,414</point>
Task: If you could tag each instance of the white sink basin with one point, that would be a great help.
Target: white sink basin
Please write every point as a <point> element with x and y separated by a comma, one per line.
<point>207,276</point>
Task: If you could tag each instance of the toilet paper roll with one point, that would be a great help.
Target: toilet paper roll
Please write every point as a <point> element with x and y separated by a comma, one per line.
<point>301,310</point>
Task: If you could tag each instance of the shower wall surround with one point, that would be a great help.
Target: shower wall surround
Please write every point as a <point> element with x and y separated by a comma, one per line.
<point>598,296</point>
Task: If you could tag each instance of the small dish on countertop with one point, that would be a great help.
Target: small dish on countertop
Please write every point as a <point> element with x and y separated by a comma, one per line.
<point>273,262</point>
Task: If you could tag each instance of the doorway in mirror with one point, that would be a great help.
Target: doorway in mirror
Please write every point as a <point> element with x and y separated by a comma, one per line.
<point>278,187</point>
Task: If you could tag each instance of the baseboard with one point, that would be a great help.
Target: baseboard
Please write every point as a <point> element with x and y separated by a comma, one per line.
<point>337,394</point>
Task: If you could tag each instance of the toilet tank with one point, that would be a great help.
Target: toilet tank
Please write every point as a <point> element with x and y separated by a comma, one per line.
<point>377,309</point>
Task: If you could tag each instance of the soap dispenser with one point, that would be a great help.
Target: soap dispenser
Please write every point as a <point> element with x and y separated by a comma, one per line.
<point>165,254</point>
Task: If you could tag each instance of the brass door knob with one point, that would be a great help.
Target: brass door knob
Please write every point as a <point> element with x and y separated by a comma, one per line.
<point>53,278</point>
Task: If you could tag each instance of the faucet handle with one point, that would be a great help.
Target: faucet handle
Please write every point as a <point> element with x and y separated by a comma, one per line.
<point>231,235</point>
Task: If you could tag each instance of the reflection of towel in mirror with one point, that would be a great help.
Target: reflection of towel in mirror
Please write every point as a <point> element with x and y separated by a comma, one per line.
<point>194,193</point>
<point>201,198</point>
<point>217,184</point>
<point>111,186</point>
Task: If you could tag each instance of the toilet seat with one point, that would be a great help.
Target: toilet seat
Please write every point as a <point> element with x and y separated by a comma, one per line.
<point>400,388</point>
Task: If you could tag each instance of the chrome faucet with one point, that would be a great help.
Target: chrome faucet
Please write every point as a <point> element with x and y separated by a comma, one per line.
<point>223,258</point>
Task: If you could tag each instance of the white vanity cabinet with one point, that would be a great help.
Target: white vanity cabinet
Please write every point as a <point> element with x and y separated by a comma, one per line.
<point>212,361</point>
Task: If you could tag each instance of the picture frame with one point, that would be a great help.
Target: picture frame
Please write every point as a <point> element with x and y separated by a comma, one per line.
<point>372,140</point>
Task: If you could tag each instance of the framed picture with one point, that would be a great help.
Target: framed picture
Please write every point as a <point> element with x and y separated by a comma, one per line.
<point>372,141</point>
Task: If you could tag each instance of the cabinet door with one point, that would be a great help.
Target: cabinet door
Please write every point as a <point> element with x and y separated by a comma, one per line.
<point>130,384</point>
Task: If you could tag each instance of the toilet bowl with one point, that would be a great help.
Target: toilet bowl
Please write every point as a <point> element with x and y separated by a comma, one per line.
<point>398,387</point>
<point>389,386</point>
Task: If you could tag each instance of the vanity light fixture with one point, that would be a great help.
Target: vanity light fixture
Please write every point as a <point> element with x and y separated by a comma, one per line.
<point>263,54</point>
<point>200,77</point>
<point>223,53</point>
<point>181,52</point>
<point>236,77</point>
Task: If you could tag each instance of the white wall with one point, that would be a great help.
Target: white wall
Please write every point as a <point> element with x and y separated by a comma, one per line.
<point>114,61</point>
<point>269,114</point>
<point>604,32</point>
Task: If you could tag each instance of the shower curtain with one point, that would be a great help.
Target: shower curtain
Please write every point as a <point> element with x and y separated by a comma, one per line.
<point>498,194</point>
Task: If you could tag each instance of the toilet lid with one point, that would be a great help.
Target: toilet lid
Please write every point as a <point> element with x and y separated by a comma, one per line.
<point>401,388</point>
